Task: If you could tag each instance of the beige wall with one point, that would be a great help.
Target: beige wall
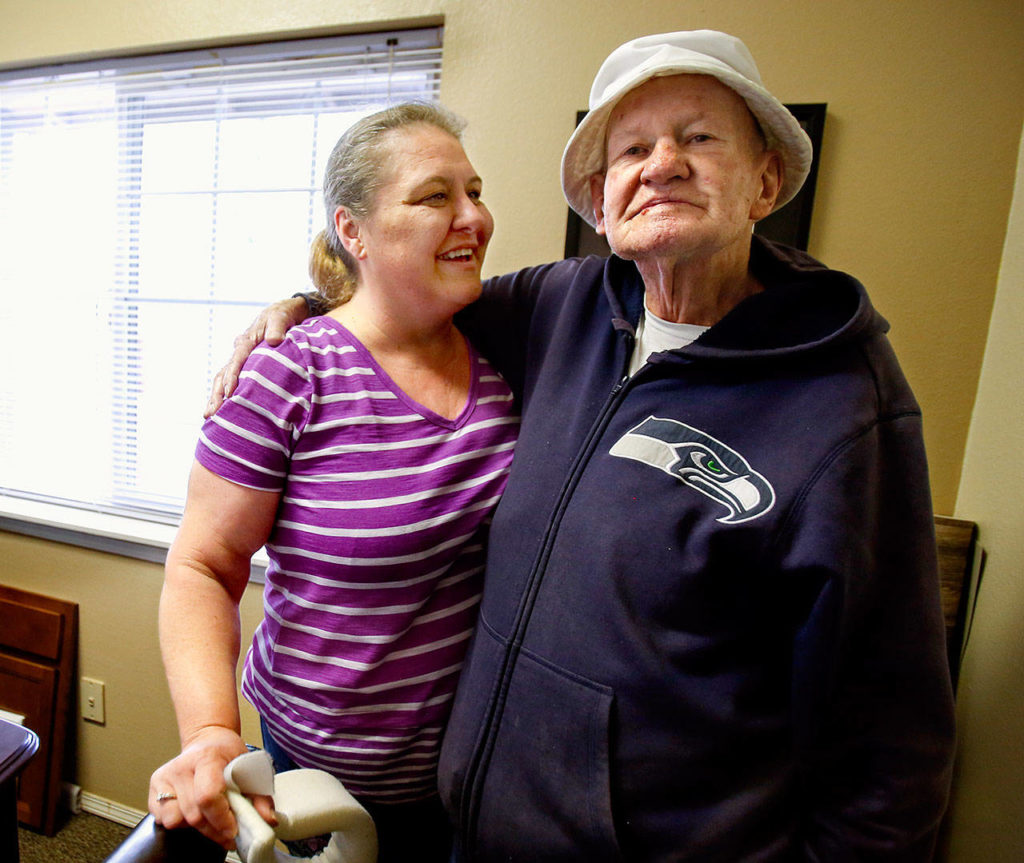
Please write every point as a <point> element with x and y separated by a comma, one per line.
<point>989,798</point>
<point>917,173</point>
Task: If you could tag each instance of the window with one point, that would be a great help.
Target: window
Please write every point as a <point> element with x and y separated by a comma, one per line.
<point>149,207</point>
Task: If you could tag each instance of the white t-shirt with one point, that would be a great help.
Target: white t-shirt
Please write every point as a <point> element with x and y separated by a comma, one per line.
<point>654,334</point>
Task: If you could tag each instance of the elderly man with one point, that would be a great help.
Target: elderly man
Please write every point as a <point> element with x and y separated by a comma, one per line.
<point>710,628</point>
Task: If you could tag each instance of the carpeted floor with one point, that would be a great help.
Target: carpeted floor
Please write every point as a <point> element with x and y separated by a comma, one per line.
<point>83,838</point>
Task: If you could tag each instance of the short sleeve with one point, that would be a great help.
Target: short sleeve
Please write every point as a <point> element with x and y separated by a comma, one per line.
<point>249,441</point>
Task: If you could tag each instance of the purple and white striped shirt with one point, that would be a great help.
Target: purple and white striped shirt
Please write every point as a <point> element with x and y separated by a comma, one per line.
<point>376,554</point>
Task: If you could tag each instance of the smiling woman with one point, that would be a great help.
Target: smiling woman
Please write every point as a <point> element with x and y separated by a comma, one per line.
<point>367,451</point>
<point>420,254</point>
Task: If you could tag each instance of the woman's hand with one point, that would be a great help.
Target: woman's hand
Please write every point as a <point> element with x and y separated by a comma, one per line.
<point>192,787</point>
<point>270,326</point>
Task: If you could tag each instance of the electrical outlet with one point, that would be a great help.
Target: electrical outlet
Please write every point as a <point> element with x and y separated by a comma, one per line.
<point>92,700</point>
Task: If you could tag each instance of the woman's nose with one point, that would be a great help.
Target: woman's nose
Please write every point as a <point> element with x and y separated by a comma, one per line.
<point>472,215</point>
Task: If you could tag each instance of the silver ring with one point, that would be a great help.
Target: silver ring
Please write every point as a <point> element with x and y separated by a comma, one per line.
<point>164,796</point>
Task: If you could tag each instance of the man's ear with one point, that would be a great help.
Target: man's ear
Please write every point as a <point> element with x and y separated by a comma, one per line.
<point>597,195</point>
<point>773,175</point>
<point>348,232</point>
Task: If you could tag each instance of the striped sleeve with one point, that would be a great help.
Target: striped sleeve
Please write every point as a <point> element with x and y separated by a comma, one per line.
<point>250,440</point>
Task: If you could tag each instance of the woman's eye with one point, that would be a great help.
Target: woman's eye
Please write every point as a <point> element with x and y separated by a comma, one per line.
<point>475,194</point>
<point>436,198</point>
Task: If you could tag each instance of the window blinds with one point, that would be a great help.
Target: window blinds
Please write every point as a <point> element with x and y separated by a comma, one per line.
<point>149,207</point>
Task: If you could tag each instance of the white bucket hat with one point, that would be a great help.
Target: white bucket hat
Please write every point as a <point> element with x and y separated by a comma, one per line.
<point>694,52</point>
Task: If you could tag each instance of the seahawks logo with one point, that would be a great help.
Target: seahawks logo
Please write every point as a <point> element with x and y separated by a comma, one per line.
<point>702,463</point>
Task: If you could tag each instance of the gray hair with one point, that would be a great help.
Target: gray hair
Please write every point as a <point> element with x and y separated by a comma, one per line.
<point>355,166</point>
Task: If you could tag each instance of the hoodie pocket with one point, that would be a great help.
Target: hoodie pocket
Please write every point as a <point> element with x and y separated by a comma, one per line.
<point>547,790</point>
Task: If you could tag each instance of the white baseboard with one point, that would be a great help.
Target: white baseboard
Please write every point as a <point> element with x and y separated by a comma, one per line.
<point>119,814</point>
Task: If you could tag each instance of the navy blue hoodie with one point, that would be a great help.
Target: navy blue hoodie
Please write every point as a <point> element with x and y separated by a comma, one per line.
<point>710,627</point>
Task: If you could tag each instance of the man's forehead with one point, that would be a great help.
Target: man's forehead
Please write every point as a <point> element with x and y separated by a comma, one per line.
<point>683,98</point>
<point>684,92</point>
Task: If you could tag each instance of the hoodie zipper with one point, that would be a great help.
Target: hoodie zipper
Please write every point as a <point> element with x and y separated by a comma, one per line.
<point>473,787</point>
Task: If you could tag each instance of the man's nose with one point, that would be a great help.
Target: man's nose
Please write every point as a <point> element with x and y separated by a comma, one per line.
<point>665,162</point>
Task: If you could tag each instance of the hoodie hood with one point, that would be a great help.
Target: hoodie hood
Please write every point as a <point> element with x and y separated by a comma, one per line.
<point>805,307</point>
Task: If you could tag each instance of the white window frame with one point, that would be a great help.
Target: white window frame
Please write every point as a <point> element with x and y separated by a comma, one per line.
<point>121,526</point>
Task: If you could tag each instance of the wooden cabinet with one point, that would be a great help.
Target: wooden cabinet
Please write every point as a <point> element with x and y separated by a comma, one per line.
<point>38,644</point>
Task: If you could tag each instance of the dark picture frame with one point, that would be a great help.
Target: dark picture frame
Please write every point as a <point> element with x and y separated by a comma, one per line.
<point>790,225</point>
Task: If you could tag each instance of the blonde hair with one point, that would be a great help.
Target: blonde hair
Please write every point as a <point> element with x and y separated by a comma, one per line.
<point>332,279</point>
<point>351,180</point>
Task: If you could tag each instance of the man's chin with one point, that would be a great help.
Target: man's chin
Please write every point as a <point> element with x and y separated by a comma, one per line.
<point>679,242</point>
<point>656,245</point>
